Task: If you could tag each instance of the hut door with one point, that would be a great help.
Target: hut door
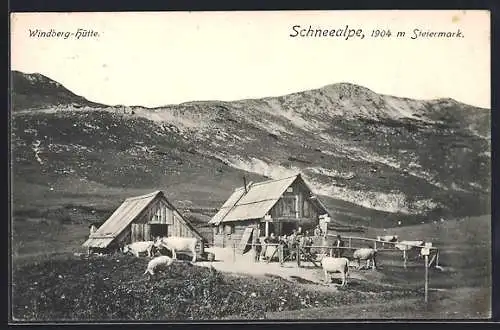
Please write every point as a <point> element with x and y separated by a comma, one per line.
<point>158,229</point>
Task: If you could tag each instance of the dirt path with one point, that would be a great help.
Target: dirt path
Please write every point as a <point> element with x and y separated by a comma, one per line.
<point>245,264</point>
<point>308,276</point>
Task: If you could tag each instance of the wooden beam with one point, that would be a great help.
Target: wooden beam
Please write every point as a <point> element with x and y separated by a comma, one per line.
<point>280,255</point>
<point>432,260</point>
<point>298,256</point>
<point>426,289</point>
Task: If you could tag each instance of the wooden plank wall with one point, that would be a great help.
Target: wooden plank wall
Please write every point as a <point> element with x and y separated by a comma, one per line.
<point>180,229</point>
<point>219,240</point>
<point>159,212</point>
<point>138,232</point>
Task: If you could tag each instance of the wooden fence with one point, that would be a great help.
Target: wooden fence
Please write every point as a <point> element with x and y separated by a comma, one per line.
<point>301,252</point>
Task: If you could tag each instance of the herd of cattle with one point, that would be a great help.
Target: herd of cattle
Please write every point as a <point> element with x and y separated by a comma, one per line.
<point>338,264</point>
<point>341,265</point>
<point>329,264</point>
<point>172,243</point>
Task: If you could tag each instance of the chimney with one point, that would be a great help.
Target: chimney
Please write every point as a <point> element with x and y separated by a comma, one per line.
<point>245,184</point>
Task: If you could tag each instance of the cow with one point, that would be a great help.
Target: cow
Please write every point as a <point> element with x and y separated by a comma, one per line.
<point>335,265</point>
<point>367,254</point>
<point>137,248</point>
<point>157,261</point>
<point>175,243</point>
<point>408,245</point>
<point>387,238</point>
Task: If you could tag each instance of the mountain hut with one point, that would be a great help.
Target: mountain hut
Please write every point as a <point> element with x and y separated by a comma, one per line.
<point>259,209</point>
<point>141,218</point>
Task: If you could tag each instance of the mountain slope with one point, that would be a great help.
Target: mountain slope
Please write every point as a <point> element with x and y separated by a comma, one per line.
<point>374,157</point>
<point>35,90</point>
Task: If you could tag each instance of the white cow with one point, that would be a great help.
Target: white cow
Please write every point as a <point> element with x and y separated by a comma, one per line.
<point>367,254</point>
<point>388,238</point>
<point>335,265</point>
<point>139,247</point>
<point>157,261</point>
<point>174,244</point>
<point>408,245</point>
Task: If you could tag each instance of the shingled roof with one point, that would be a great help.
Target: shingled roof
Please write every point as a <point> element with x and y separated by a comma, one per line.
<point>256,202</point>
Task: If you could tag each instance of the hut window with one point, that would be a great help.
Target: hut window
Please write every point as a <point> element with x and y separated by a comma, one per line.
<point>156,217</point>
<point>289,189</point>
<point>219,229</point>
<point>228,229</point>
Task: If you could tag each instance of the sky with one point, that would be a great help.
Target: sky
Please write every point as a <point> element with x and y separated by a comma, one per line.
<point>155,59</point>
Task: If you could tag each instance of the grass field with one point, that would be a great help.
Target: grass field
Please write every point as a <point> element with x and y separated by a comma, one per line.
<point>469,303</point>
<point>50,283</point>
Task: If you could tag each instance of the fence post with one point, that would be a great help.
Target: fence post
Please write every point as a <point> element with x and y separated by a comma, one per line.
<point>404,258</point>
<point>375,245</point>
<point>331,251</point>
<point>234,252</point>
<point>350,241</point>
<point>426,297</point>
<point>280,254</point>
<point>298,255</point>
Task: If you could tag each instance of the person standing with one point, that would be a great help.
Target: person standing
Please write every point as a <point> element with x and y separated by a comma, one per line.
<point>338,250</point>
<point>317,231</point>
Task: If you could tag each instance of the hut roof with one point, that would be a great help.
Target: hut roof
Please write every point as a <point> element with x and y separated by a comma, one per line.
<point>256,202</point>
<point>124,215</point>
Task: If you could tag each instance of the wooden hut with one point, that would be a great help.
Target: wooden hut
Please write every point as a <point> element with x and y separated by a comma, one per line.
<point>141,218</point>
<point>259,209</point>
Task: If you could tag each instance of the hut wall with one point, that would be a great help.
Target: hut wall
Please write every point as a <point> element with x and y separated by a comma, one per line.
<point>219,241</point>
<point>294,204</point>
<point>294,209</point>
<point>230,233</point>
<point>159,212</point>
